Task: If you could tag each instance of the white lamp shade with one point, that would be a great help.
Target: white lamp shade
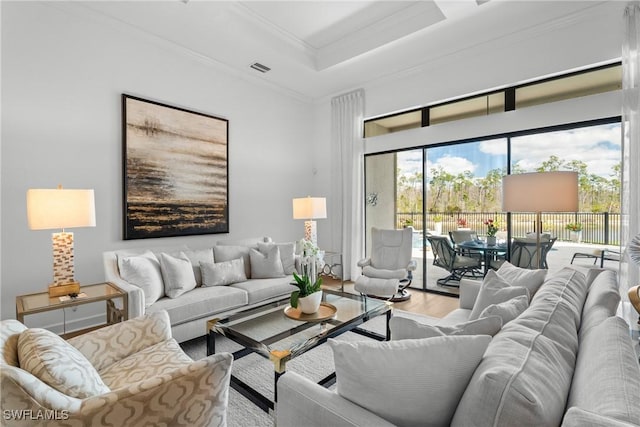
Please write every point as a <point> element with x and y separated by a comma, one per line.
<point>540,192</point>
<point>60,208</point>
<point>310,208</point>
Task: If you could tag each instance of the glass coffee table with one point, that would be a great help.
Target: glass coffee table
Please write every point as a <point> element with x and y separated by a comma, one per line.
<point>266,330</point>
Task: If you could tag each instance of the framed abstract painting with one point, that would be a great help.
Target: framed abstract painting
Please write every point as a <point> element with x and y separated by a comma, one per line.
<point>176,171</point>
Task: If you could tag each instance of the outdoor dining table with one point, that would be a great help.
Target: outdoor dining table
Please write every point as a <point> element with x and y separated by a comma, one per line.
<point>489,251</point>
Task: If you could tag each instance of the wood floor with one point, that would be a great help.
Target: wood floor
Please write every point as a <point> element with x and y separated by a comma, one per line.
<point>420,302</point>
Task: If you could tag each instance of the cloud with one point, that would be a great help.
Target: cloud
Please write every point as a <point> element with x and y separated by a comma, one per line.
<point>598,147</point>
<point>452,164</point>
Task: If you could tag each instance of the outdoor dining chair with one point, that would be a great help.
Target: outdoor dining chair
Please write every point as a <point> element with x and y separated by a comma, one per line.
<point>445,256</point>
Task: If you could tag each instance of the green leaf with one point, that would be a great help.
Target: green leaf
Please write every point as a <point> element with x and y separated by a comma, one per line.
<point>293,301</point>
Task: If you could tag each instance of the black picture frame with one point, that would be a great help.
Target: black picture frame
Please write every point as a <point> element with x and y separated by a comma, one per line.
<point>175,170</point>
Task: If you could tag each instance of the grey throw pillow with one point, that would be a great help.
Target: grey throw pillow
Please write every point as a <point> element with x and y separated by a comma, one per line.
<point>267,264</point>
<point>426,377</point>
<point>508,310</point>
<point>494,290</point>
<point>223,273</point>
<point>516,276</point>
<point>287,255</point>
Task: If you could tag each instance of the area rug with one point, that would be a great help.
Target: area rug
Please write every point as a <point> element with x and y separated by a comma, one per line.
<point>257,371</point>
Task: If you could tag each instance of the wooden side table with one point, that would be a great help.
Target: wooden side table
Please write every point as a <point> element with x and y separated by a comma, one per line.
<point>40,303</point>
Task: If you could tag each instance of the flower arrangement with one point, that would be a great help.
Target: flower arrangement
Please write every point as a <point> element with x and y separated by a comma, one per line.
<point>308,282</point>
<point>492,227</point>
<point>462,222</point>
<point>574,226</point>
<point>437,218</point>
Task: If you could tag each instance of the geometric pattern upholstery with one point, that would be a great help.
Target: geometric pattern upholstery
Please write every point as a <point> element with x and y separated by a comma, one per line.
<point>59,364</point>
<point>191,394</point>
<point>157,359</point>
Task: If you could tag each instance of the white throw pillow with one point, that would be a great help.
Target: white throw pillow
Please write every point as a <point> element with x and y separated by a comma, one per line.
<point>177,273</point>
<point>426,377</point>
<point>287,255</point>
<point>507,310</point>
<point>58,364</point>
<point>516,276</point>
<point>223,273</point>
<point>143,271</point>
<point>266,265</point>
<point>403,328</point>
<point>494,290</point>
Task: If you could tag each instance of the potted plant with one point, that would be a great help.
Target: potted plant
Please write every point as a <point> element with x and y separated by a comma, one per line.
<point>437,224</point>
<point>492,229</point>
<point>308,295</point>
<point>575,231</point>
<point>462,224</point>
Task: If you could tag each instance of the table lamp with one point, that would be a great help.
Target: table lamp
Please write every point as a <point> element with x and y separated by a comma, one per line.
<point>60,209</point>
<point>310,208</point>
<point>540,192</point>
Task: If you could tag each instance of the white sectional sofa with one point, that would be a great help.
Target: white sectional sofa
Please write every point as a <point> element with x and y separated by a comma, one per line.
<point>158,279</point>
<point>566,359</point>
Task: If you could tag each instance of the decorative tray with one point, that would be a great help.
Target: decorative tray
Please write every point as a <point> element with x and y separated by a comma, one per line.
<point>326,311</point>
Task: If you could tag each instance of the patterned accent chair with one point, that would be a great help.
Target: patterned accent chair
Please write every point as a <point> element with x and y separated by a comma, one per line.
<point>145,378</point>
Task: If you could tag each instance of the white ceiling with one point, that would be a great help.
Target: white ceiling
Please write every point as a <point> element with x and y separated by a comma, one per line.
<point>320,48</point>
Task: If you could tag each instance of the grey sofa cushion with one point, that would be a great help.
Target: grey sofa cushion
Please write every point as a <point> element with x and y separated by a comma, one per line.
<point>526,372</point>
<point>403,328</point>
<point>196,256</point>
<point>200,302</point>
<point>263,289</point>
<point>576,417</point>
<point>607,382</point>
<point>602,301</point>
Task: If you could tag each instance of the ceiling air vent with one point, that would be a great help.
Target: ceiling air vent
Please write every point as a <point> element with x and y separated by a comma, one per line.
<point>259,67</point>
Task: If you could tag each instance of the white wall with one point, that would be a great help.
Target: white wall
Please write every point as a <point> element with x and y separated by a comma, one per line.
<point>62,77</point>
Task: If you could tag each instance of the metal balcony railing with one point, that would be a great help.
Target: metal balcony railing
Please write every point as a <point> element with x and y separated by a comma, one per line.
<point>597,228</point>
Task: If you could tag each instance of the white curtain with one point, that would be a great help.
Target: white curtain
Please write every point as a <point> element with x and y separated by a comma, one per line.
<point>630,227</point>
<point>347,171</point>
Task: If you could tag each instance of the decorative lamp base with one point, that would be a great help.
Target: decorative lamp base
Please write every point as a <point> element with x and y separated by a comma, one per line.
<point>65,289</point>
<point>310,232</point>
<point>63,270</point>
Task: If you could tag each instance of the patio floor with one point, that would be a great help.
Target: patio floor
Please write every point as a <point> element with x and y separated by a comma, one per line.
<point>558,258</point>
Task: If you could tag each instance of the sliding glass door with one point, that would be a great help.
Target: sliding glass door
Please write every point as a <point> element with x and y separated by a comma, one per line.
<point>454,187</point>
<point>463,190</point>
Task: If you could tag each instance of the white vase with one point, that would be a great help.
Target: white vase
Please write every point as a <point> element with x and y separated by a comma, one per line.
<point>491,240</point>
<point>576,236</point>
<point>310,303</point>
<point>438,228</point>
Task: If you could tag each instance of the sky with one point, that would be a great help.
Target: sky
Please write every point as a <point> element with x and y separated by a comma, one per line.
<point>598,146</point>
